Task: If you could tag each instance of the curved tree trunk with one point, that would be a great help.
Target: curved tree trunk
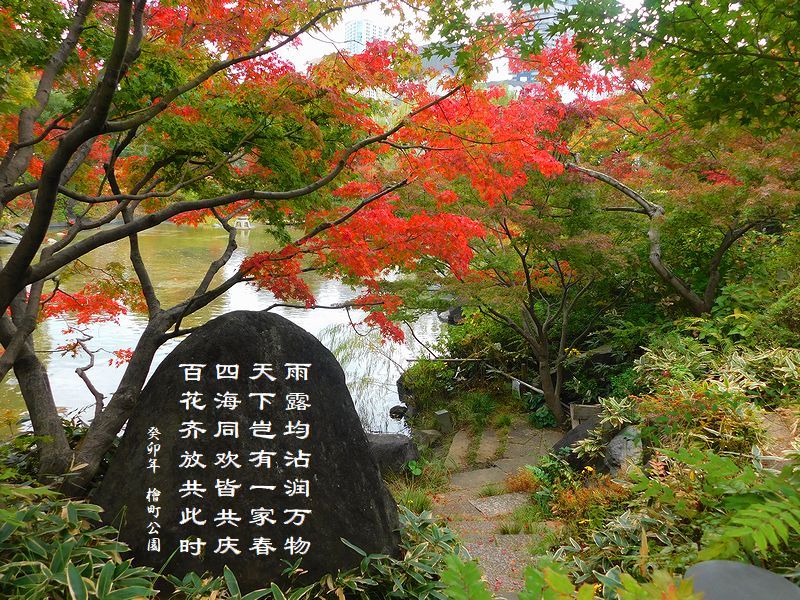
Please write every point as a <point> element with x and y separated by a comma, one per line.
<point>55,455</point>
<point>108,423</point>
<point>698,305</point>
<point>552,395</point>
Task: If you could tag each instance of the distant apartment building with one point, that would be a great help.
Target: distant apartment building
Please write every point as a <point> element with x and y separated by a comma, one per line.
<point>500,75</point>
<point>361,31</point>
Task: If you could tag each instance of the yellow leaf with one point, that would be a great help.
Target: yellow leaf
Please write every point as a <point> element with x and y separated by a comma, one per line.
<point>644,551</point>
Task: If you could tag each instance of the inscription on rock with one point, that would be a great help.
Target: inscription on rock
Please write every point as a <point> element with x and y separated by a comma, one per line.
<point>245,450</point>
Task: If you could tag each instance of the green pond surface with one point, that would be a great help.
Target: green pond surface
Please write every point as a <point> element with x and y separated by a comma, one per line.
<point>177,258</point>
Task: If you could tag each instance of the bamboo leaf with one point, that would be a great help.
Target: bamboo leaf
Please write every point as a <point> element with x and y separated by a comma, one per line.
<point>105,579</point>
<point>75,583</point>
<point>233,585</point>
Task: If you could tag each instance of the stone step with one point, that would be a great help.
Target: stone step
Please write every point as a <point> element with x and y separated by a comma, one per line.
<point>457,454</point>
<point>488,447</point>
<point>475,520</point>
<point>477,479</point>
<point>524,441</point>
<point>503,504</point>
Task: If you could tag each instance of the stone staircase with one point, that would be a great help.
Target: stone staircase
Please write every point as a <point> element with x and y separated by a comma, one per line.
<point>477,520</point>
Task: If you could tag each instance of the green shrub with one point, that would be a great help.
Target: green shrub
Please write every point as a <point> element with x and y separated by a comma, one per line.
<point>19,456</point>
<point>424,547</point>
<point>414,489</point>
<point>51,547</point>
<point>694,504</point>
<point>483,338</point>
<point>780,323</point>
<point>480,407</point>
<point>539,415</point>
<point>542,418</point>
<point>674,359</point>
<point>463,580</point>
<point>549,580</point>
<point>429,383</point>
<point>762,523</point>
<point>624,383</point>
<point>766,376</point>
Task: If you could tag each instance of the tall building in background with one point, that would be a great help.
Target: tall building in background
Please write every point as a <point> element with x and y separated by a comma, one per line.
<point>360,31</point>
<point>545,20</point>
<point>500,75</point>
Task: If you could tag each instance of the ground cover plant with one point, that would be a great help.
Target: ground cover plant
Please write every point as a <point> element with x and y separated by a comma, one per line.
<point>53,547</point>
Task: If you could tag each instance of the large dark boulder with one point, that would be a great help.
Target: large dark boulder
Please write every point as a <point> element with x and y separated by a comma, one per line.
<point>566,445</point>
<point>404,394</point>
<point>729,580</point>
<point>239,480</point>
<point>392,451</point>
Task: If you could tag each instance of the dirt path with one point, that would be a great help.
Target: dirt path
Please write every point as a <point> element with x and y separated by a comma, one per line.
<point>475,519</point>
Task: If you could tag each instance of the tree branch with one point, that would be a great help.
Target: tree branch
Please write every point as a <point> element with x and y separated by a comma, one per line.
<point>67,255</point>
<point>167,98</point>
<point>81,372</point>
<point>17,158</point>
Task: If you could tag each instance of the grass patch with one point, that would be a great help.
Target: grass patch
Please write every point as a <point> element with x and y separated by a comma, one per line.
<point>473,409</point>
<point>502,425</point>
<point>525,519</point>
<point>545,538</point>
<point>474,445</point>
<point>510,528</point>
<point>417,500</point>
<point>503,420</point>
<point>491,490</point>
<point>416,491</point>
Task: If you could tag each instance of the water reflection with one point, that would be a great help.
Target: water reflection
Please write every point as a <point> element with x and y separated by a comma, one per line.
<point>178,258</point>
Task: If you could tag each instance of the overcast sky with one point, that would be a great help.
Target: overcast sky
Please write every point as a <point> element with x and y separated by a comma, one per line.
<point>319,43</point>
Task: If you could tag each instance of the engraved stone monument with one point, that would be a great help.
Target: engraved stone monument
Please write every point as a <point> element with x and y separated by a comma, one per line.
<point>245,450</point>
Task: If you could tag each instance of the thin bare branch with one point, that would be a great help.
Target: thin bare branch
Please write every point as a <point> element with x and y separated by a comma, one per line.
<point>81,372</point>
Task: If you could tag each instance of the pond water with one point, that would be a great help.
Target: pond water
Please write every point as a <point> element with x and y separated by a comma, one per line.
<point>177,258</point>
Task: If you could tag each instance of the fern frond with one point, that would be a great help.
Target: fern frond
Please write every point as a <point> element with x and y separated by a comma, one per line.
<point>771,524</point>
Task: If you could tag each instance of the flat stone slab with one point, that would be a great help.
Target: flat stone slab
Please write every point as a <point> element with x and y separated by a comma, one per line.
<point>457,454</point>
<point>503,559</point>
<point>477,479</point>
<point>520,434</point>
<point>457,509</point>
<point>511,466</point>
<point>524,441</point>
<point>488,447</point>
<point>494,506</point>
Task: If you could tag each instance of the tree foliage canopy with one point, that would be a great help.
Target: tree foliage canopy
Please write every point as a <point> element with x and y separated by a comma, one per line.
<point>736,60</point>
